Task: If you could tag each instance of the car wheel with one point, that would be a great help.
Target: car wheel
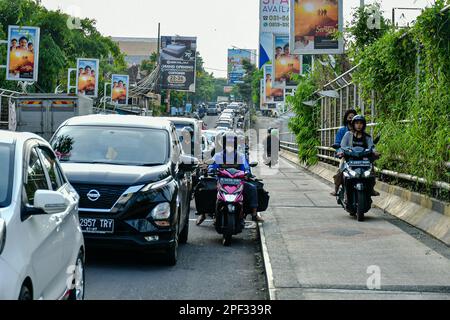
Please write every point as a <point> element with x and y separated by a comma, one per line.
<point>25,293</point>
<point>77,293</point>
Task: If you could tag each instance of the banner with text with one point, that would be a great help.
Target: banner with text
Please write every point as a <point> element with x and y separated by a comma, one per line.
<point>23,53</point>
<point>87,77</point>
<point>274,18</point>
<point>314,25</point>
<point>285,63</point>
<point>271,94</point>
<point>236,59</point>
<point>177,60</point>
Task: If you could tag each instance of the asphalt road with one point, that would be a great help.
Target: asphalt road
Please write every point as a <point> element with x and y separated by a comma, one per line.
<point>205,269</point>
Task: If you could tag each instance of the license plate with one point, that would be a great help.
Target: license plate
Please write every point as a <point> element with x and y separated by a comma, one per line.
<point>92,225</point>
<point>359,163</point>
<point>230,182</point>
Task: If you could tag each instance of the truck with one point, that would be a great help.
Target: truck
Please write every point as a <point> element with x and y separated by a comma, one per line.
<point>42,114</point>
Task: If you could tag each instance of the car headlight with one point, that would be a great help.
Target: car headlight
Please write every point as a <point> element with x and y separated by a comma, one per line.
<point>161,211</point>
<point>352,172</point>
<point>2,235</point>
<point>157,185</point>
<point>367,173</point>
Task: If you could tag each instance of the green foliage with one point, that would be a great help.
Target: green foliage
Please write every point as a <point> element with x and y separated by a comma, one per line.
<point>363,28</point>
<point>303,124</point>
<point>60,46</point>
<point>388,63</point>
<point>388,66</point>
<point>245,89</point>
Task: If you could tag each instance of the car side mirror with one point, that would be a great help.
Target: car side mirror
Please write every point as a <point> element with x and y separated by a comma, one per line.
<point>253,164</point>
<point>188,163</point>
<point>50,202</point>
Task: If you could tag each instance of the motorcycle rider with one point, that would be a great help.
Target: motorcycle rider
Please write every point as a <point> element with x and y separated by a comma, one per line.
<point>348,117</point>
<point>231,156</point>
<point>359,138</point>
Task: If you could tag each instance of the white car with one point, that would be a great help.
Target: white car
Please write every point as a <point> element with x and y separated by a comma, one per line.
<point>41,243</point>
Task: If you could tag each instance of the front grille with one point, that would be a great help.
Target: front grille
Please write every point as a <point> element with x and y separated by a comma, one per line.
<point>108,195</point>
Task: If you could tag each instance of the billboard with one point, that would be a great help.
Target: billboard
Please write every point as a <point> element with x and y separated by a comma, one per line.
<point>271,94</point>
<point>22,62</point>
<point>178,63</point>
<point>274,18</point>
<point>236,59</point>
<point>119,89</point>
<point>87,77</point>
<point>313,24</point>
<point>285,64</point>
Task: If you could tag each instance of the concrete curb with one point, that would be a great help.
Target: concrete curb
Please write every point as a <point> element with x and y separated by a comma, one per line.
<point>427,214</point>
<point>267,265</point>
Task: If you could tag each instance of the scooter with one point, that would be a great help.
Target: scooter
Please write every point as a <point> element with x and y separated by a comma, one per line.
<point>355,193</point>
<point>230,203</point>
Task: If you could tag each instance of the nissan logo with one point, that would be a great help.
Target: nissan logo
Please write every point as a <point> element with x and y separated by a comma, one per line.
<point>93,195</point>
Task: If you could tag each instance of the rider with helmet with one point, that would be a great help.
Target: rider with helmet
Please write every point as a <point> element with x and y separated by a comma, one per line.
<point>230,156</point>
<point>358,138</point>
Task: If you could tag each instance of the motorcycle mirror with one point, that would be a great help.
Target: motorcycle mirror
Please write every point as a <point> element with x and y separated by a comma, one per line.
<point>253,164</point>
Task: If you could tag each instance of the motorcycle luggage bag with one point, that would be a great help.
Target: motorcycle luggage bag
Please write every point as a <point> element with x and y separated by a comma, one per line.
<point>206,196</point>
<point>263,197</point>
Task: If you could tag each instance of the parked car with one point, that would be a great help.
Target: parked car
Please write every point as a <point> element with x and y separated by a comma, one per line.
<point>41,245</point>
<point>132,178</point>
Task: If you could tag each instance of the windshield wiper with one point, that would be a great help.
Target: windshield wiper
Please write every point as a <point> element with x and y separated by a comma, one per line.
<point>149,164</point>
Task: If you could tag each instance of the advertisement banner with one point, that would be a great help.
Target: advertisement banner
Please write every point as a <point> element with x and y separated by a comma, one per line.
<point>313,25</point>
<point>271,94</point>
<point>177,60</point>
<point>273,18</point>
<point>119,89</point>
<point>236,59</point>
<point>87,77</point>
<point>22,62</point>
<point>285,63</point>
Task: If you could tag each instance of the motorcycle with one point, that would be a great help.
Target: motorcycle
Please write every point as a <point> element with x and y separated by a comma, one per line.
<point>355,193</point>
<point>229,210</point>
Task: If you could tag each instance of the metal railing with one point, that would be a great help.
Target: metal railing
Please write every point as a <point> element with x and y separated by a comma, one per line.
<point>293,147</point>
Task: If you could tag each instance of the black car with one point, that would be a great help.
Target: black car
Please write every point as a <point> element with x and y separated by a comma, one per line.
<point>132,179</point>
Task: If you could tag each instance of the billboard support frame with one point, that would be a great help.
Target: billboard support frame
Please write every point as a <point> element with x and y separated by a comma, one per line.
<point>69,74</point>
<point>3,66</point>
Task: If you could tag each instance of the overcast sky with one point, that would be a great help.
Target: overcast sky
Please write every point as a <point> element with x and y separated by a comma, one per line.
<point>218,24</point>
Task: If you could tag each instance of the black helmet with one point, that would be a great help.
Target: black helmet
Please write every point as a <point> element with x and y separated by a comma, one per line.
<point>359,118</point>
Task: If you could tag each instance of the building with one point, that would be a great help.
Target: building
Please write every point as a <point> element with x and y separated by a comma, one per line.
<point>136,49</point>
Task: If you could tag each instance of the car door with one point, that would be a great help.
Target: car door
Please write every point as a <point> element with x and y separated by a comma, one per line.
<point>42,232</point>
<point>184,179</point>
<point>69,221</point>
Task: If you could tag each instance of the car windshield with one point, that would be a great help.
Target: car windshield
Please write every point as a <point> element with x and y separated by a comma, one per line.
<point>6,173</point>
<point>112,145</point>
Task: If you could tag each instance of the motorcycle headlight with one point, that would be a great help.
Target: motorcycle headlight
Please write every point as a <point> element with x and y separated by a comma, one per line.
<point>161,211</point>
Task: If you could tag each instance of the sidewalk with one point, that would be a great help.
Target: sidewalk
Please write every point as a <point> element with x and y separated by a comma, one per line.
<point>314,250</point>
